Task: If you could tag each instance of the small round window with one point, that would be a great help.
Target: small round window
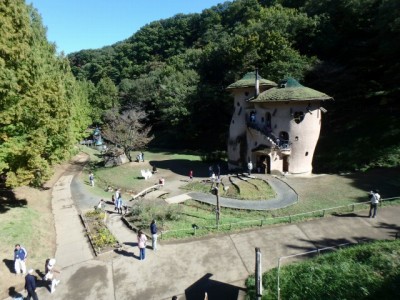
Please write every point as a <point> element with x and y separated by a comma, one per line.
<point>298,116</point>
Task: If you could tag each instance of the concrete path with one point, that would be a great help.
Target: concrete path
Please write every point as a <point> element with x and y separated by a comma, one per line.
<point>217,265</point>
<point>72,246</point>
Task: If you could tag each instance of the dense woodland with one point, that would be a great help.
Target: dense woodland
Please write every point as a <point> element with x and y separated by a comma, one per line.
<point>176,70</point>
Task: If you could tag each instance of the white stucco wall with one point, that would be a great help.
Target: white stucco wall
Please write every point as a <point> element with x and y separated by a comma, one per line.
<point>282,120</point>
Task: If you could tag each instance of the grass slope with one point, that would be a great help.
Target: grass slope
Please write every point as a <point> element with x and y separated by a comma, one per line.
<point>369,271</point>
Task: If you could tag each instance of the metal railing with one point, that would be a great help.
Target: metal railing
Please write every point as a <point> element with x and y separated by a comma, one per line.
<point>273,220</point>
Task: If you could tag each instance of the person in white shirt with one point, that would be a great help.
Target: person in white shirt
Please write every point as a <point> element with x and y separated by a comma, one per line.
<point>374,198</point>
<point>51,274</point>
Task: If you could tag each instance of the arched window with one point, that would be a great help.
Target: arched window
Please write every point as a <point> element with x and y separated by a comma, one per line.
<point>298,116</point>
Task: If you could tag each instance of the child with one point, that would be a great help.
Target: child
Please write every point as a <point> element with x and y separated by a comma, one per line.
<point>50,274</point>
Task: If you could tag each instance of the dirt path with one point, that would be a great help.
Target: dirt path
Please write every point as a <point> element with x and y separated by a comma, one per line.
<point>41,244</point>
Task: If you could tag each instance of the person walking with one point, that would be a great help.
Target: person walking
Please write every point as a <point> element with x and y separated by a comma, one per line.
<point>154,236</point>
<point>30,285</point>
<point>374,198</point>
<point>118,204</point>
<point>91,179</point>
<point>250,167</point>
<point>142,155</point>
<point>50,274</point>
<point>20,255</point>
<point>191,175</point>
<point>142,239</point>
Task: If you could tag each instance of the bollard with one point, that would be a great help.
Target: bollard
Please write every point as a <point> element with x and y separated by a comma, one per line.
<point>258,274</point>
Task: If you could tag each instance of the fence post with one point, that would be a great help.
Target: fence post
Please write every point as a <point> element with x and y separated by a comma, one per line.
<point>258,274</point>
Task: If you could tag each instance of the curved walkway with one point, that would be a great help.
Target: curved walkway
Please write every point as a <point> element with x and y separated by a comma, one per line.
<point>285,196</point>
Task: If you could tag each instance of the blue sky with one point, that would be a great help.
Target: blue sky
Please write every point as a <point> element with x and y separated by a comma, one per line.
<point>89,24</point>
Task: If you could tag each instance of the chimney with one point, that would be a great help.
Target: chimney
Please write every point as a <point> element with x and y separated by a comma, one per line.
<point>257,84</point>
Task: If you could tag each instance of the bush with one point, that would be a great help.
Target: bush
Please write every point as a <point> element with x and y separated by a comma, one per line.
<point>146,212</point>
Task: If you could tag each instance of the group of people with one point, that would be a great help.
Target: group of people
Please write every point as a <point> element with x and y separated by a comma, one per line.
<point>117,201</point>
<point>20,256</point>
<point>214,174</point>
<point>140,157</point>
<point>142,240</point>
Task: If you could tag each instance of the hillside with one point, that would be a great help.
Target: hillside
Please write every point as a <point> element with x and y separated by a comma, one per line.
<point>177,70</point>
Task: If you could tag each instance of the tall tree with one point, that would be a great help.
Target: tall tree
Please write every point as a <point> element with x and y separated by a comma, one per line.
<point>127,130</point>
<point>104,98</point>
<point>37,125</point>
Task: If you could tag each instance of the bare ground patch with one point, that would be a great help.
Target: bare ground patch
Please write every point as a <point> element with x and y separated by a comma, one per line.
<point>31,224</point>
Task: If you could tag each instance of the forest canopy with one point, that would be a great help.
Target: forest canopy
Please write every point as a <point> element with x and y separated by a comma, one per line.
<point>177,69</point>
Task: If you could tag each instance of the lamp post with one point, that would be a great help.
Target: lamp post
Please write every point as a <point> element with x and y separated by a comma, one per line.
<point>215,191</point>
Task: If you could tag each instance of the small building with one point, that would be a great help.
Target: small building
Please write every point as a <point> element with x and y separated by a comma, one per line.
<point>275,126</point>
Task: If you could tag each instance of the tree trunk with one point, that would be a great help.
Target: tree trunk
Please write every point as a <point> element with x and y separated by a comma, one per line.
<point>128,154</point>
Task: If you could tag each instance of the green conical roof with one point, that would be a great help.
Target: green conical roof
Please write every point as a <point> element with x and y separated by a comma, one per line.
<point>249,80</point>
<point>291,90</point>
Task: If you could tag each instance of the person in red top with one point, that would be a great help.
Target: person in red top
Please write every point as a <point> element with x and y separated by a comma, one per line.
<point>191,175</point>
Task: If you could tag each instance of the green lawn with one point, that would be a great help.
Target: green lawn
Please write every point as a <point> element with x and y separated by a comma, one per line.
<point>316,195</point>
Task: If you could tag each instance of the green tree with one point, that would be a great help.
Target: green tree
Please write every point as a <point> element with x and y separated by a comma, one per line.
<point>104,98</point>
<point>37,127</point>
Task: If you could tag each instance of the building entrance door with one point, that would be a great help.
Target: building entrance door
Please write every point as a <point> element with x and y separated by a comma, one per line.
<point>285,164</point>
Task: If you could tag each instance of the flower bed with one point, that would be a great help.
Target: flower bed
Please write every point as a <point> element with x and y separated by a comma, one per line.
<point>100,237</point>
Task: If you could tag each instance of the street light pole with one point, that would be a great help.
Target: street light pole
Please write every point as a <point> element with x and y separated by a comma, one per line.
<point>215,191</point>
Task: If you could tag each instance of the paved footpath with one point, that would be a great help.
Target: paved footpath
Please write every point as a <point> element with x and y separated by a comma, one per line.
<point>218,265</point>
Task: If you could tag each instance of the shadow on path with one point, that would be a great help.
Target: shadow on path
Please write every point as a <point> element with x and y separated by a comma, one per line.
<point>214,289</point>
